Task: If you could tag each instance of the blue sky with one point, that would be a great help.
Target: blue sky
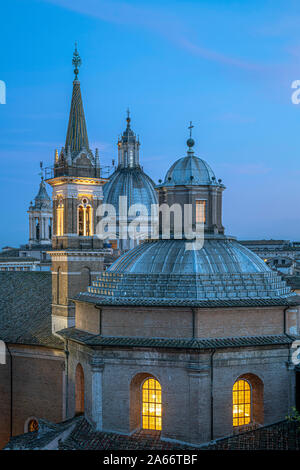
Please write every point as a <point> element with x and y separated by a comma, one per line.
<point>226,65</point>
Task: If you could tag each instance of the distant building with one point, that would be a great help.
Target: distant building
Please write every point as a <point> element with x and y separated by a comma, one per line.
<point>33,256</point>
<point>282,255</point>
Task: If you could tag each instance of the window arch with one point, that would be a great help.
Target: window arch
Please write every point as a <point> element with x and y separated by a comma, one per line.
<point>244,384</point>
<point>85,219</point>
<point>60,219</point>
<point>151,405</point>
<point>31,425</point>
<point>58,280</point>
<point>79,390</point>
<point>241,403</point>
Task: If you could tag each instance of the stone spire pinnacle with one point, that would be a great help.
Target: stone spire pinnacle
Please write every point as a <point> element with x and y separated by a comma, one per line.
<point>77,137</point>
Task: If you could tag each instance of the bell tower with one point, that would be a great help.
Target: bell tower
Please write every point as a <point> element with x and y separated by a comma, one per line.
<point>77,254</point>
<point>40,217</point>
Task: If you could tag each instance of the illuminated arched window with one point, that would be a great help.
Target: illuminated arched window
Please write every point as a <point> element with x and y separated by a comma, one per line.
<point>80,221</point>
<point>60,219</point>
<point>88,221</point>
<point>85,219</point>
<point>151,405</point>
<point>33,425</point>
<point>241,403</point>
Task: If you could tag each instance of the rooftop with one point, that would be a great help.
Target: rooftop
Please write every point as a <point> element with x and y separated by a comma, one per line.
<point>77,434</point>
<point>25,309</point>
<point>90,339</point>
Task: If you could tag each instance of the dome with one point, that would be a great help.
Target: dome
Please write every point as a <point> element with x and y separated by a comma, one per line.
<point>163,272</point>
<point>218,255</point>
<point>190,170</point>
<point>133,183</point>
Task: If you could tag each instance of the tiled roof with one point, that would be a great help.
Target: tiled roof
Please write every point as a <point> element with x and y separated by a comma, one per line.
<point>202,343</point>
<point>105,300</point>
<point>40,439</point>
<point>25,308</point>
<point>11,252</point>
<point>77,434</point>
<point>293,281</point>
<point>83,437</point>
<point>279,436</point>
<point>16,259</point>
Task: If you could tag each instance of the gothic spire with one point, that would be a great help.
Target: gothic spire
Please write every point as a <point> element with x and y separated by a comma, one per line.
<point>77,137</point>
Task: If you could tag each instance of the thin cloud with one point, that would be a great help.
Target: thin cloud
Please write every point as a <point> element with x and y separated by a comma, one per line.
<point>156,20</point>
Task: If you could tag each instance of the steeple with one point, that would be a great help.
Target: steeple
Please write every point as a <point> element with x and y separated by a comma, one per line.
<point>40,216</point>
<point>77,138</point>
<point>128,146</point>
<point>76,157</point>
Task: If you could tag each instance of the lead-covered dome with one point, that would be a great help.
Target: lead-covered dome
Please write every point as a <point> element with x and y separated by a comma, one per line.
<point>163,272</point>
<point>129,178</point>
<point>190,170</point>
<point>133,183</point>
<point>218,255</point>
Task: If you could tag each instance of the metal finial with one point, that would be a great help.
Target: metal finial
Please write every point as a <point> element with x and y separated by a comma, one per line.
<point>128,116</point>
<point>190,128</point>
<point>41,172</point>
<point>190,142</point>
<point>76,62</point>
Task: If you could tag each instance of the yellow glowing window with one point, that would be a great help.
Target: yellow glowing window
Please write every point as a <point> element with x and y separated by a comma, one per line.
<point>85,222</point>
<point>151,405</point>
<point>241,403</point>
<point>33,425</point>
<point>200,212</point>
<point>60,220</point>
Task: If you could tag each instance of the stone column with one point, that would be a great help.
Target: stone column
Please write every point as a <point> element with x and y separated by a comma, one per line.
<point>97,367</point>
<point>31,228</point>
<point>199,402</point>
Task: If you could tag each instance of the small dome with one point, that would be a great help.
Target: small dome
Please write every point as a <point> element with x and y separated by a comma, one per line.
<point>133,183</point>
<point>190,170</point>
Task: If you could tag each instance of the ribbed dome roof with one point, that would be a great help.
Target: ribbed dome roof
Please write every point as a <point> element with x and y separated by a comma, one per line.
<point>133,183</point>
<point>190,170</point>
<point>163,272</point>
<point>218,255</point>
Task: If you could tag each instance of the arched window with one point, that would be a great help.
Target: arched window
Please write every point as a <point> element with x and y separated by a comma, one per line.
<point>60,219</point>
<point>58,280</point>
<point>88,221</point>
<point>37,229</point>
<point>80,221</point>
<point>241,403</point>
<point>79,390</point>
<point>151,405</point>
<point>85,219</point>
<point>33,425</point>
